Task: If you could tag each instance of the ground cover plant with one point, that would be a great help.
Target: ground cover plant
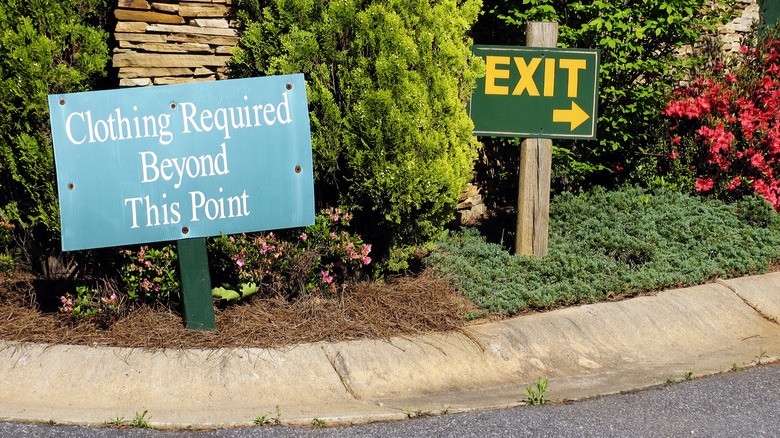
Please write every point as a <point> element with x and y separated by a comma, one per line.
<point>611,244</point>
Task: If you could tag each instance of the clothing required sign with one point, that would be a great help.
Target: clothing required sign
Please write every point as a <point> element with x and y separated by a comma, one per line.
<point>536,92</point>
<point>182,161</point>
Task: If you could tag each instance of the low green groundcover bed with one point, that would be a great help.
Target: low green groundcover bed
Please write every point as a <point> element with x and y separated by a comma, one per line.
<point>608,244</point>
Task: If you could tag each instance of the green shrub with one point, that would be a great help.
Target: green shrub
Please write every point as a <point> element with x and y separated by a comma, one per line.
<point>640,64</point>
<point>387,81</point>
<point>8,249</point>
<point>46,47</point>
<point>606,244</point>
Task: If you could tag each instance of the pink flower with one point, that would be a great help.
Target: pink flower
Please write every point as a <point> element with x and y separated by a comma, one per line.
<point>304,236</point>
<point>703,185</point>
<point>326,277</point>
<point>240,262</point>
<point>673,154</point>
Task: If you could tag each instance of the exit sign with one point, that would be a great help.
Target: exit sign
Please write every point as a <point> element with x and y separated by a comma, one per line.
<point>536,92</point>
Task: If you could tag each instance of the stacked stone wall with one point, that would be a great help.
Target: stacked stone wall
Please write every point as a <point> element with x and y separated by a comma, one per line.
<point>169,42</point>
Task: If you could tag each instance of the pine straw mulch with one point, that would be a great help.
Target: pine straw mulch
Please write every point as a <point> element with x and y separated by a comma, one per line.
<point>401,306</point>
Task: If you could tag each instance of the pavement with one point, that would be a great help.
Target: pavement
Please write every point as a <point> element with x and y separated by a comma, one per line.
<point>583,352</point>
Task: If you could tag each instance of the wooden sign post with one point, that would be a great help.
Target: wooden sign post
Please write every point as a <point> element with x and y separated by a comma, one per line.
<point>533,197</point>
<point>537,92</point>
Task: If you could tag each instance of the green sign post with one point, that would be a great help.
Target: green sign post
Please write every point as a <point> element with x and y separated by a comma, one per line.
<point>536,92</point>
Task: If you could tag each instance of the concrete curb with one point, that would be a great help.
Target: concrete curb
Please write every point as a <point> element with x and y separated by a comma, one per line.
<point>583,352</point>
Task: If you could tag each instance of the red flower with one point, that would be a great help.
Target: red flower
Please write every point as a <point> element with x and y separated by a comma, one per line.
<point>673,154</point>
<point>734,183</point>
<point>703,185</point>
<point>757,160</point>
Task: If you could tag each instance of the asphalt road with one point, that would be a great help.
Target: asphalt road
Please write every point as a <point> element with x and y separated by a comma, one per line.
<point>735,404</point>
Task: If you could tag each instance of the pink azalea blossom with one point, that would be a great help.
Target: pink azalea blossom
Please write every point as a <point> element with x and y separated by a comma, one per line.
<point>703,185</point>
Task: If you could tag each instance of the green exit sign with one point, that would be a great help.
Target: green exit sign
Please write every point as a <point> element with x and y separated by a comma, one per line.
<point>536,92</point>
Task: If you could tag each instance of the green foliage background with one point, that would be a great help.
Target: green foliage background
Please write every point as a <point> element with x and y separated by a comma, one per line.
<point>639,40</point>
<point>387,82</point>
<point>46,46</point>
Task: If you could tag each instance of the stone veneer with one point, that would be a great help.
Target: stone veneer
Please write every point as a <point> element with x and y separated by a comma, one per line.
<point>170,42</point>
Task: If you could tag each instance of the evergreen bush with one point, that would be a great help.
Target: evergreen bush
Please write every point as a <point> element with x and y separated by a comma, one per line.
<point>387,82</point>
<point>46,47</point>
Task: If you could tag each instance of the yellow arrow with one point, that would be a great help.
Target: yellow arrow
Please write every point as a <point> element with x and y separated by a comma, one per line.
<point>576,116</point>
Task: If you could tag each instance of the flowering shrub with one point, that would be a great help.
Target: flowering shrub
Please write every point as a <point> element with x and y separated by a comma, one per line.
<point>726,126</point>
<point>321,259</point>
<point>88,301</point>
<point>250,260</point>
<point>151,274</point>
<point>342,255</point>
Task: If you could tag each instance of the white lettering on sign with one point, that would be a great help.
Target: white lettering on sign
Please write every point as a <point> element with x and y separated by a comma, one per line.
<point>169,212</point>
<point>116,128</point>
<point>86,127</point>
<point>221,207</point>
<point>192,167</point>
<point>225,119</point>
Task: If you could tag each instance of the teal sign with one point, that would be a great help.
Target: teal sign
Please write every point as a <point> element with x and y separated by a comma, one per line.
<point>182,161</point>
<point>536,92</point>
